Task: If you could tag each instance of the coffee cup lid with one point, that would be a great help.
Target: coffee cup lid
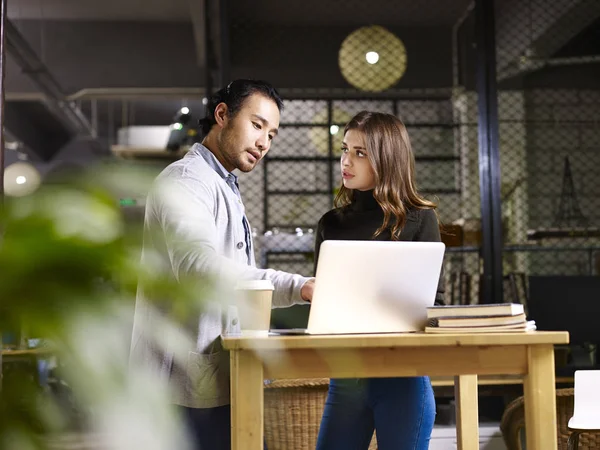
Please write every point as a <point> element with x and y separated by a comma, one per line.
<point>256,285</point>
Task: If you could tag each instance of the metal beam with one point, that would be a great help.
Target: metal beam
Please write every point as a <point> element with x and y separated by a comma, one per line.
<point>565,28</point>
<point>529,65</point>
<point>224,60</point>
<point>197,11</point>
<point>209,49</point>
<point>129,93</point>
<point>538,54</point>
<point>211,34</point>
<point>30,63</point>
<point>204,22</point>
<point>489,154</point>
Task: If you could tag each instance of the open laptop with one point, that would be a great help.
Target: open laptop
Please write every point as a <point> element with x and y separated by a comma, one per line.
<point>373,287</point>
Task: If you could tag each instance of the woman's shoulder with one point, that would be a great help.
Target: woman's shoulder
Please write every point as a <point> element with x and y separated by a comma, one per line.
<point>332,215</point>
<point>424,212</point>
<point>421,215</point>
<point>415,213</point>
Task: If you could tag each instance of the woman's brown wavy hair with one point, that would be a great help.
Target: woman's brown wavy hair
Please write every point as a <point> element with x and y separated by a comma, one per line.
<point>391,156</point>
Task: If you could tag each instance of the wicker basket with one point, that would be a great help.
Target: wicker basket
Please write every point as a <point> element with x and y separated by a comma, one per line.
<point>293,410</point>
<point>513,421</point>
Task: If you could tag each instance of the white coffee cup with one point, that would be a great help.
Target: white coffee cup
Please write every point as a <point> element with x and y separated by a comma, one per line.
<point>254,301</point>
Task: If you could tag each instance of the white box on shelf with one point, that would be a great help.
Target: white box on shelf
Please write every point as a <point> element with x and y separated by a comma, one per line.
<point>143,136</point>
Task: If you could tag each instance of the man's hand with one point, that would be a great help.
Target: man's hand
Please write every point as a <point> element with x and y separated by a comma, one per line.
<point>307,290</point>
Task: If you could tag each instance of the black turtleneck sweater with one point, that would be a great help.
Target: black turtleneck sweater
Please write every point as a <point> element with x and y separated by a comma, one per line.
<point>360,219</point>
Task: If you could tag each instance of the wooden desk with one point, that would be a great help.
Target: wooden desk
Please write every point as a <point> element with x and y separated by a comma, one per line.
<point>464,356</point>
<point>494,380</point>
<point>26,352</point>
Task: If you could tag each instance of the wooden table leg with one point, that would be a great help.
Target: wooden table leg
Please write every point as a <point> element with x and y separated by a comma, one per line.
<point>540,398</point>
<point>247,401</point>
<point>467,412</point>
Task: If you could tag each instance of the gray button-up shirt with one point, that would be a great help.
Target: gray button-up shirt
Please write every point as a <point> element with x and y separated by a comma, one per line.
<point>232,182</point>
<point>195,222</point>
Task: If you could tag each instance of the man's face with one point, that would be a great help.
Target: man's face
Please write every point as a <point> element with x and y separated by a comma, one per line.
<point>246,138</point>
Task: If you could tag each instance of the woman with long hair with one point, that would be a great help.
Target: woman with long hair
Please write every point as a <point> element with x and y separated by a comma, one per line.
<point>378,200</point>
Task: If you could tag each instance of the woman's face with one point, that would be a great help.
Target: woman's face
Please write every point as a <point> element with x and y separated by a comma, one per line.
<point>357,172</point>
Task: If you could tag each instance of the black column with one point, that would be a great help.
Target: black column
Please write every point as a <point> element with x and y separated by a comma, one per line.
<point>209,61</point>
<point>2,97</point>
<point>225,69</point>
<point>489,154</point>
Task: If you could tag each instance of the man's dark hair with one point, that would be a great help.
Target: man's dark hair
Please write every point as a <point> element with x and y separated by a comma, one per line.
<point>234,96</point>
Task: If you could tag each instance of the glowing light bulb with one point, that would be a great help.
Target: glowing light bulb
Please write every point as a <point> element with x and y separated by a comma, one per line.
<point>372,57</point>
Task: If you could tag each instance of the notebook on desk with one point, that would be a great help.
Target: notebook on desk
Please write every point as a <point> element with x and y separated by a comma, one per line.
<point>373,287</point>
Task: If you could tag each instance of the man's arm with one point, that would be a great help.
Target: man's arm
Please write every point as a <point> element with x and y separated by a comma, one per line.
<point>184,210</point>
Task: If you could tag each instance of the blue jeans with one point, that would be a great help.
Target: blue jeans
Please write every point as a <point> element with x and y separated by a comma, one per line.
<point>401,410</point>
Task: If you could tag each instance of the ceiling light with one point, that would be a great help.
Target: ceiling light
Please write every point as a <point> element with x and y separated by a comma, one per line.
<point>372,57</point>
<point>367,69</point>
<point>21,178</point>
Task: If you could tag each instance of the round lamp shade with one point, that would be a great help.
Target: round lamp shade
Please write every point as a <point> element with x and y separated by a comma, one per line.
<point>319,136</point>
<point>21,178</point>
<point>372,59</point>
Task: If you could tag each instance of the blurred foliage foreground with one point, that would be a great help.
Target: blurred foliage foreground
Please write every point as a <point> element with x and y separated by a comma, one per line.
<point>69,267</point>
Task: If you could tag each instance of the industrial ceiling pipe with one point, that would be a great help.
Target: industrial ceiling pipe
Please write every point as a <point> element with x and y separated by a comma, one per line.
<point>31,65</point>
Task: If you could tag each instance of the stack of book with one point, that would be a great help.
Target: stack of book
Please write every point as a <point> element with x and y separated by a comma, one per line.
<point>486,318</point>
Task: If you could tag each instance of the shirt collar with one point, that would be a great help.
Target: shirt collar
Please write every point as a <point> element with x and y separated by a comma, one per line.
<point>213,162</point>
